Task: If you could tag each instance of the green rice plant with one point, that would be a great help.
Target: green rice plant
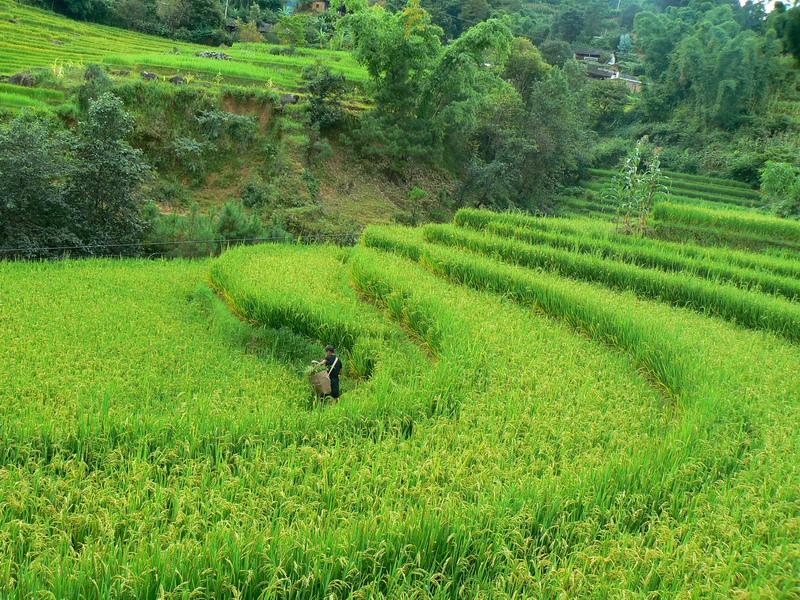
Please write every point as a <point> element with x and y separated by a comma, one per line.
<point>477,219</point>
<point>605,326</point>
<point>744,224</point>
<point>731,183</point>
<point>648,477</point>
<point>155,445</point>
<point>685,179</point>
<point>746,308</point>
<point>41,39</point>
<point>18,101</point>
<point>653,256</point>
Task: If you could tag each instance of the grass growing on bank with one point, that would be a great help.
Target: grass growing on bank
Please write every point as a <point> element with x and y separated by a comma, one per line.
<point>588,229</point>
<point>747,308</point>
<point>631,252</point>
<point>753,225</point>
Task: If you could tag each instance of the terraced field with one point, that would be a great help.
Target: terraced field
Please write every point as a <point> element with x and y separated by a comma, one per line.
<point>33,39</point>
<point>685,189</point>
<point>533,408</point>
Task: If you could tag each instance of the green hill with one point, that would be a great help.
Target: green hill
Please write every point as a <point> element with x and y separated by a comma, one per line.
<point>274,163</point>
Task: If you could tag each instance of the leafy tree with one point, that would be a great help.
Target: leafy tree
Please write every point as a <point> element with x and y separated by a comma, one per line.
<point>234,225</point>
<point>556,52</point>
<point>656,37</point>
<point>625,45</point>
<point>475,11</point>
<point>462,81</point>
<point>629,15</point>
<point>399,50</point>
<point>34,159</point>
<point>556,126</point>
<point>248,32</point>
<point>786,25</point>
<point>606,102</point>
<point>569,24</point>
<point>525,66</point>
<point>291,29</point>
<point>723,72</point>
<point>105,185</point>
<point>495,176</point>
<point>327,90</point>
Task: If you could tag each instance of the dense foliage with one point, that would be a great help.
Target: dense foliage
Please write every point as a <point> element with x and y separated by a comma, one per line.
<point>78,190</point>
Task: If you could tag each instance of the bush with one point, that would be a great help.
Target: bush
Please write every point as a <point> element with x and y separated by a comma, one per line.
<point>257,194</point>
<point>327,90</point>
<point>181,236</point>
<point>248,32</point>
<point>95,82</point>
<point>781,184</point>
<point>190,155</point>
<point>610,152</point>
<point>228,129</point>
<point>234,226</point>
<point>106,184</point>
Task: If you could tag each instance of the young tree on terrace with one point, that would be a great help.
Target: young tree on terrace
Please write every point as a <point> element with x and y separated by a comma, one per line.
<point>635,190</point>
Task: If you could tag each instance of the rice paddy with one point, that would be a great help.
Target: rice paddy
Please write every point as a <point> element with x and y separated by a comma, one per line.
<point>34,40</point>
<point>509,427</point>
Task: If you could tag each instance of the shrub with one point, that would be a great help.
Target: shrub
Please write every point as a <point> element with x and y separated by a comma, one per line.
<point>326,90</point>
<point>256,193</point>
<point>190,155</point>
<point>234,226</point>
<point>781,184</point>
<point>228,129</point>
<point>248,32</point>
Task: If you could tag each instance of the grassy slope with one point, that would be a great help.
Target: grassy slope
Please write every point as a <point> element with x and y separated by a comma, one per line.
<point>352,193</point>
<point>41,39</point>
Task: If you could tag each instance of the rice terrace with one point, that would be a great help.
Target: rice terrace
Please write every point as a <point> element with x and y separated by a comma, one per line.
<point>565,306</point>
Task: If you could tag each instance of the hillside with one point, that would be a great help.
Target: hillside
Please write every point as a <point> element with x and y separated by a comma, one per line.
<point>532,407</point>
<point>270,159</point>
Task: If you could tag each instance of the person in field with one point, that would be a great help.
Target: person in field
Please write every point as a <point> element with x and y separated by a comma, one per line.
<point>334,365</point>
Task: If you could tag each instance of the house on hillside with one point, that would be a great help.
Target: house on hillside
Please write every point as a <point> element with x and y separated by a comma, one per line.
<point>634,85</point>
<point>319,6</point>
<point>589,54</point>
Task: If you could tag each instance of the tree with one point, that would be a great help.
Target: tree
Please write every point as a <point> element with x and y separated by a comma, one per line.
<point>475,11</point>
<point>569,24</point>
<point>327,90</point>
<point>291,29</point>
<point>105,184</point>
<point>635,190</point>
<point>399,51</point>
<point>34,161</point>
<point>525,66</point>
<point>606,101</point>
<point>556,52</point>
<point>461,83</point>
<point>791,32</point>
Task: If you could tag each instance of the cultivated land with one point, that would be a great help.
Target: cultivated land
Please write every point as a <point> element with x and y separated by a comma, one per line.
<point>35,39</point>
<point>533,407</point>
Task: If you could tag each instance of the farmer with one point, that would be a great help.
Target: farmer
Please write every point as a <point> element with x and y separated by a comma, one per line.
<point>334,365</point>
